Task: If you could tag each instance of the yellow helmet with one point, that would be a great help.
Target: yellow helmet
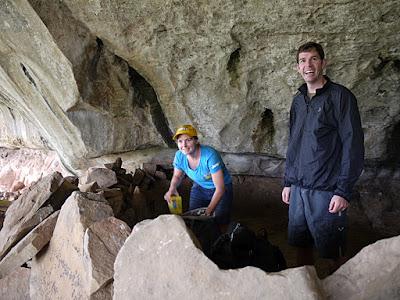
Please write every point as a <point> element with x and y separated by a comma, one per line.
<point>185,129</point>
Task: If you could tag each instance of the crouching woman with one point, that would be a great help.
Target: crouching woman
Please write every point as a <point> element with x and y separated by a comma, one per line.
<point>212,183</point>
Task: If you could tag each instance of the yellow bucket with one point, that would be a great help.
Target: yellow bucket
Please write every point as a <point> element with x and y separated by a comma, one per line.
<point>175,205</point>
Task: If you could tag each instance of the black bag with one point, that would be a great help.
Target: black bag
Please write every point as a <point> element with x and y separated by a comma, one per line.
<point>205,229</point>
<point>241,247</point>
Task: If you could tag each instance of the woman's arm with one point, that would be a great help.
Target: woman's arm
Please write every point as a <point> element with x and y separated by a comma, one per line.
<point>218,180</point>
<point>175,182</point>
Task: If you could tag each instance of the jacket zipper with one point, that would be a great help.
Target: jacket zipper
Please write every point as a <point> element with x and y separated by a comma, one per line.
<point>302,140</point>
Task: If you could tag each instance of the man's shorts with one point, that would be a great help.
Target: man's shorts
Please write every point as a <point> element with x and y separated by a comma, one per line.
<point>311,223</point>
<point>201,197</point>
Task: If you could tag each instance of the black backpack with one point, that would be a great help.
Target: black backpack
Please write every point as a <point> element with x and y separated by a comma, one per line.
<point>205,229</point>
<point>241,247</point>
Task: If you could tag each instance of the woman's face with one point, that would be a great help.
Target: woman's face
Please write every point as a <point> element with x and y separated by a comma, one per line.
<point>187,144</point>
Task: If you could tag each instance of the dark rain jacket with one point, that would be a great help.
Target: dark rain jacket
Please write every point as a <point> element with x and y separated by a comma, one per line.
<point>326,141</point>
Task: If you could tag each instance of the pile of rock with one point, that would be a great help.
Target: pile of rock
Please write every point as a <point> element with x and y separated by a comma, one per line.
<point>61,240</point>
<point>133,197</point>
<point>69,230</point>
<point>4,204</point>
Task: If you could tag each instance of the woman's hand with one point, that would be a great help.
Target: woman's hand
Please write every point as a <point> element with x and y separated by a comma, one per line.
<point>209,211</point>
<point>170,193</point>
<point>175,181</point>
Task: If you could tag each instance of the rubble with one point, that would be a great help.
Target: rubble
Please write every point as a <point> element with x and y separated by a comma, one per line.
<point>29,246</point>
<point>59,272</point>
<point>92,253</point>
<point>32,207</point>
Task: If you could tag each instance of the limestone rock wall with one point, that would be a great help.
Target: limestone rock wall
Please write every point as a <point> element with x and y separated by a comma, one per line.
<point>92,78</point>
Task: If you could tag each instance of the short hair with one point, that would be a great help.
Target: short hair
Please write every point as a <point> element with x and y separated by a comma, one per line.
<point>307,47</point>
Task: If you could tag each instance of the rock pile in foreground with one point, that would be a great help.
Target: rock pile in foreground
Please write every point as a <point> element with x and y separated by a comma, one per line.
<point>59,242</point>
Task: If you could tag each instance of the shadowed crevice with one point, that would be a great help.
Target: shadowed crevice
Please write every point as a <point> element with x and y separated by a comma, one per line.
<point>92,74</point>
<point>25,70</point>
<point>393,146</point>
<point>144,95</point>
<point>232,67</point>
<point>379,69</point>
<point>263,135</point>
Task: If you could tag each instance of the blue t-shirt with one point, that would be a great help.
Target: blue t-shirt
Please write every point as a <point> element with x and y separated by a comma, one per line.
<point>210,163</point>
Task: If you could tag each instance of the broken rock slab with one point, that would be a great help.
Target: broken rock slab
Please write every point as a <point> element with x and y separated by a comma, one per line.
<point>29,246</point>
<point>102,242</point>
<point>115,197</point>
<point>104,177</point>
<point>89,187</point>
<point>160,261</point>
<point>15,286</point>
<point>32,207</point>
<point>59,271</point>
<point>374,273</point>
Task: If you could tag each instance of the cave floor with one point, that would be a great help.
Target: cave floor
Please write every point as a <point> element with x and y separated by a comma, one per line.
<point>272,215</point>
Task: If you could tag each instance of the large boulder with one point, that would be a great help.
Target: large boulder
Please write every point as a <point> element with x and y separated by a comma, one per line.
<point>69,267</point>
<point>102,241</point>
<point>374,273</point>
<point>29,246</point>
<point>16,285</point>
<point>160,261</point>
<point>32,207</point>
<point>104,177</point>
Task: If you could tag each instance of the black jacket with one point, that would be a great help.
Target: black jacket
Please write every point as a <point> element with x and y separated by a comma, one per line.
<point>326,141</point>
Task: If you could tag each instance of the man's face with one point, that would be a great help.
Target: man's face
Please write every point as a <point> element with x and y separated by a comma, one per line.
<point>310,66</point>
<point>186,144</point>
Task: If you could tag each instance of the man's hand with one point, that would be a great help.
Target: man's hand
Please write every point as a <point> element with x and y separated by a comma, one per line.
<point>286,194</point>
<point>338,204</point>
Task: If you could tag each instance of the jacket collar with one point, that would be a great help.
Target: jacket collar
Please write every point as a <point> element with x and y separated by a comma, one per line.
<point>303,87</point>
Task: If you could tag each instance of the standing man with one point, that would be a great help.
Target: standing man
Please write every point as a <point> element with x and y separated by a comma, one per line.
<point>324,160</point>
